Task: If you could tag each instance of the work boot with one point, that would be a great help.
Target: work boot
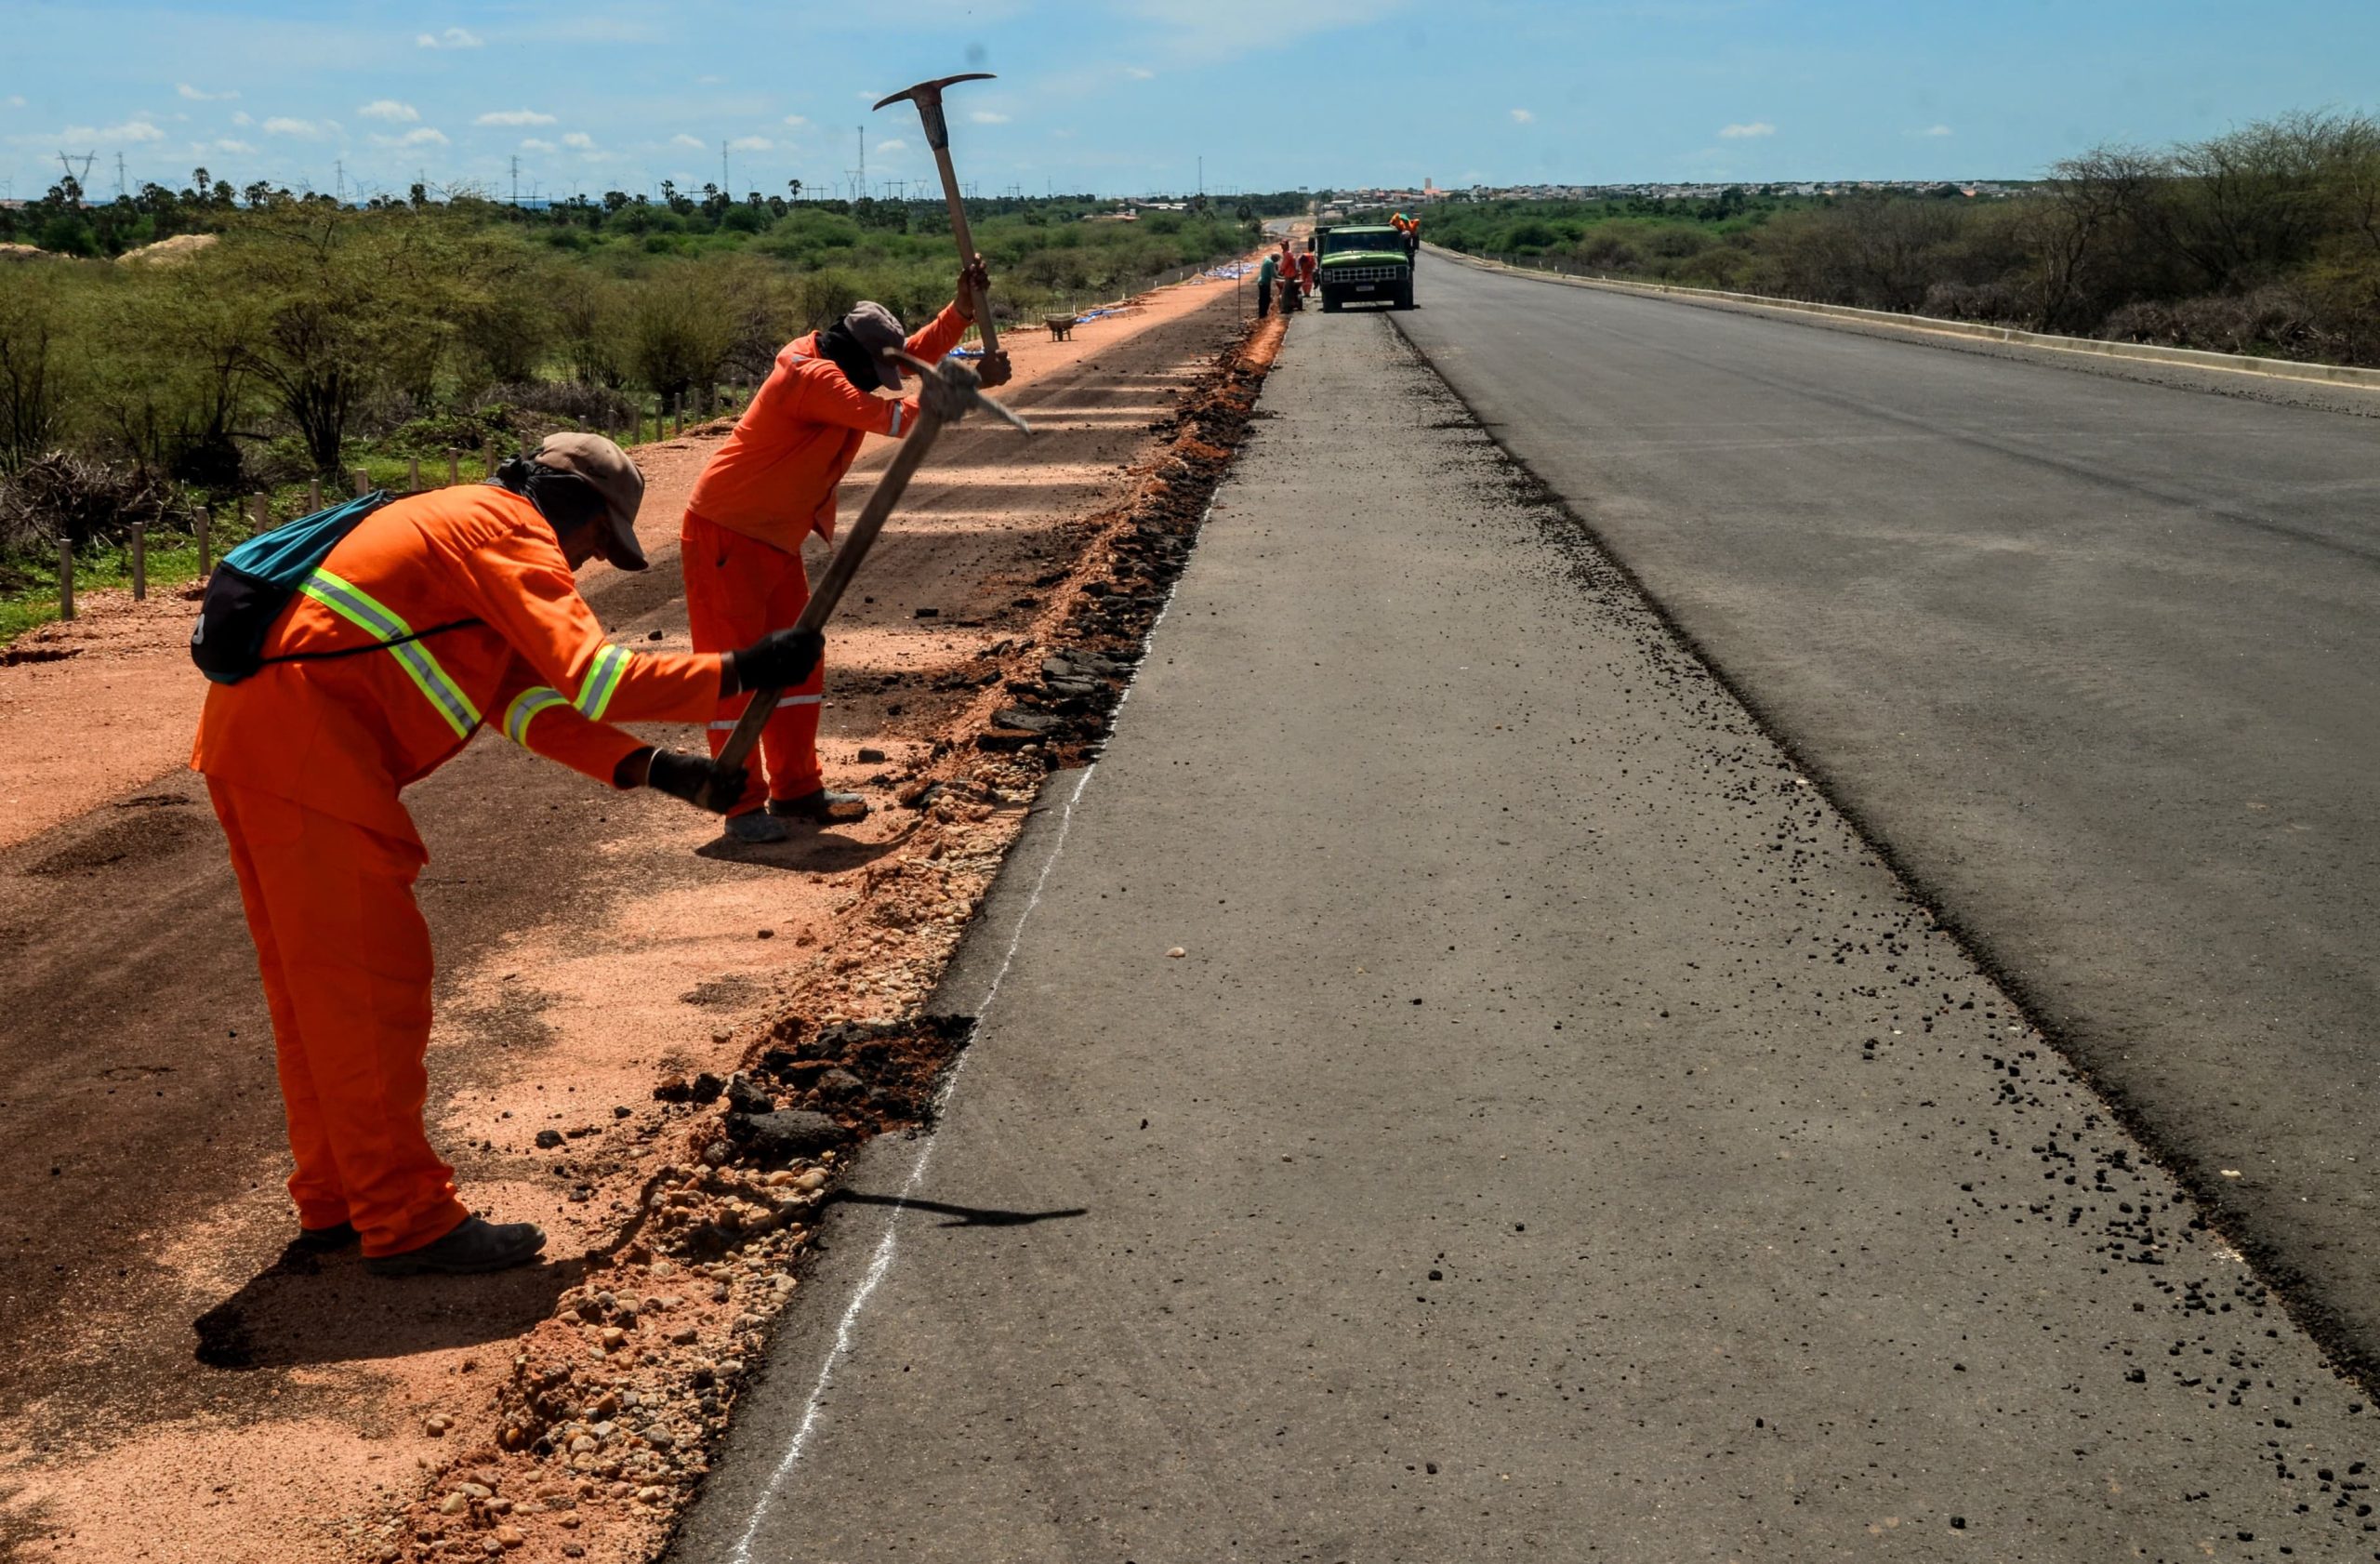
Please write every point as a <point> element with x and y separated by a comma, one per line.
<point>478,1245</point>
<point>825,807</point>
<point>754,826</point>
<point>326,1240</point>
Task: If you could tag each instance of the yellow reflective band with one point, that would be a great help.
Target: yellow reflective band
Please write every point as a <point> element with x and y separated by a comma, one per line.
<point>602,678</point>
<point>524,708</point>
<point>359,608</point>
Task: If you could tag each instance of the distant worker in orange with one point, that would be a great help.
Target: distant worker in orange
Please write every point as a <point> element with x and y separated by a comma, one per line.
<point>766,490</point>
<point>1306,264</point>
<point>437,614</point>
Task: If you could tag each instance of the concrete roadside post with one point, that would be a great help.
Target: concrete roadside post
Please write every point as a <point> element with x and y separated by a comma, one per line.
<point>65,579</point>
<point>140,562</point>
<point>362,481</point>
<point>413,475</point>
<point>313,495</point>
<point>260,514</point>
<point>491,455</point>
<point>203,530</point>
<point>454,467</point>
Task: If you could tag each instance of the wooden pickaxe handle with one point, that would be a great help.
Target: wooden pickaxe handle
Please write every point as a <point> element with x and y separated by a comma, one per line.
<point>980,304</point>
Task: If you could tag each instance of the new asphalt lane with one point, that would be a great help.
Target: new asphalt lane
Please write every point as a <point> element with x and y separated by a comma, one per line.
<point>2096,661</point>
<point>1558,1136</point>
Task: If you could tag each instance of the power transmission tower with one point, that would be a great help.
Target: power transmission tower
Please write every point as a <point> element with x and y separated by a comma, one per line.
<point>516,179</point>
<point>120,191</point>
<point>339,180</point>
<point>67,163</point>
<point>725,184</point>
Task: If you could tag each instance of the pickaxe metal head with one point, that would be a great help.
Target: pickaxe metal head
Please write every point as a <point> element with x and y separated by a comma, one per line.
<point>927,96</point>
<point>949,388</point>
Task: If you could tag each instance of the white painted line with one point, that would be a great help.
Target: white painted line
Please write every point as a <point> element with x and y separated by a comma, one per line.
<point>886,1247</point>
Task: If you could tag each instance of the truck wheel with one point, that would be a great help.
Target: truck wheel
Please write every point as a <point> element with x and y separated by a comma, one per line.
<point>1329,303</point>
<point>1405,297</point>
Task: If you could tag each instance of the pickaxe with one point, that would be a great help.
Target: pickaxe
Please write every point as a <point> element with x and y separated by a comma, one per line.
<point>946,393</point>
<point>927,96</point>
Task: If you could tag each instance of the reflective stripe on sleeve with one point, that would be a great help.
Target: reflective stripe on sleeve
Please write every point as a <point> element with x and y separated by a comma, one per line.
<point>897,409</point>
<point>602,678</point>
<point>358,607</point>
<point>729,725</point>
<point>524,710</point>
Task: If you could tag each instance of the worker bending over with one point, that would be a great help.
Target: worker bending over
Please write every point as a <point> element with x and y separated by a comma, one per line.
<point>766,490</point>
<point>437,614</point>
<point>1265,275</point>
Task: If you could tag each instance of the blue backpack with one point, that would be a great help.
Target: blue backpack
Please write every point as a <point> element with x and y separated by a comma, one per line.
<point>248,590</point>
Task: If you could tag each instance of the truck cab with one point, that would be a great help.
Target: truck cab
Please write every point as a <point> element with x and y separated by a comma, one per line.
<point>1363,264</point>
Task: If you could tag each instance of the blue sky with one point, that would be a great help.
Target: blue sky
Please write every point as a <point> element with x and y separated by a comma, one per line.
<point>1128,95</point>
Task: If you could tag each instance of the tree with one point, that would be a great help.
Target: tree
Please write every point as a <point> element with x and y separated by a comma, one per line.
<point>33,366</point>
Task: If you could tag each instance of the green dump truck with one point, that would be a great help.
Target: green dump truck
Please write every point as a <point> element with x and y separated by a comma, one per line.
<point>1364,264</point>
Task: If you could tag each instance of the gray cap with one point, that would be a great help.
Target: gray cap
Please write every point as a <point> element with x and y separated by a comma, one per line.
<point>876,328</point>
<point>608,470</point>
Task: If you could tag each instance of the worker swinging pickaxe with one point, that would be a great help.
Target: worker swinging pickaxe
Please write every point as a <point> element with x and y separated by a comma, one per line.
<point>927,96</point>
<point>946,393</point>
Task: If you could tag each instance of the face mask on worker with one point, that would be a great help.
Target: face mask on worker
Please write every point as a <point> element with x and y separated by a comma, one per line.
<point>569,503</point>
<point>838,345</point>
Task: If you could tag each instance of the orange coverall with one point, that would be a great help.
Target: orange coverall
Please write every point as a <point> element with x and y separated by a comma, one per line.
<point>1306,264</point>
<point>304,761</point>
<point>769,487</point>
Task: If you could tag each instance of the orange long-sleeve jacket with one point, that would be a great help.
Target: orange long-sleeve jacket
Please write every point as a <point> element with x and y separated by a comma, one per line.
<point>504,638</point>
<point>774,479</point>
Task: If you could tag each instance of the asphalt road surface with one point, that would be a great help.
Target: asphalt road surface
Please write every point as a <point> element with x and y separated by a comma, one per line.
<point>2097,662</point>
<point>1450,1088</point>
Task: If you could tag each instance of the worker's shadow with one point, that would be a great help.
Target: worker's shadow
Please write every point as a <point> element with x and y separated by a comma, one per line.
<point>815,851</point>
<point>304,1309</point>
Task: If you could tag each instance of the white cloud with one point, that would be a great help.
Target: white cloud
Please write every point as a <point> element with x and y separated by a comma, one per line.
<point>514,116</point>
<point>1522,116</point>
<point>197,97</point>
<point>985,116</point>
<point>241,118</point>
<point>1745,132</point>
<point>1140,73</point>
<point>391,110</point>
<point>226,144</point>
<point>1936,130</point>
<point>751,144</point>
<point>452,38</point>
<point>424,136</point>
<point>537,144</point>
<point>280,124</point>
<point>134,130</point>
<point>580,139</point>
<point>682,139</point>
<point>795,121</point>
<point>894,145</point>
<point>15,100</point>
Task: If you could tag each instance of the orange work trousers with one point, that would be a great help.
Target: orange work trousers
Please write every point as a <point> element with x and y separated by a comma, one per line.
<point>738,589</point>
<point>344,956</point>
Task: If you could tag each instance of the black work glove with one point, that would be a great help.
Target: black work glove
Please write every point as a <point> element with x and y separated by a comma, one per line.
<point>700,781</point>
<point>779,660</point>
<point>994,369</point>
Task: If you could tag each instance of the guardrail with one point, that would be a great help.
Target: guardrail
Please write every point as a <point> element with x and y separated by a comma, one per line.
<point>1934,325</point>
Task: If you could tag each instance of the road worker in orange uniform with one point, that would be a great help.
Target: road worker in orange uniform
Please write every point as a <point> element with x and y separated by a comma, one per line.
<point>1307,262</point>
<point>765,491</point>
<point>438,614</point>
